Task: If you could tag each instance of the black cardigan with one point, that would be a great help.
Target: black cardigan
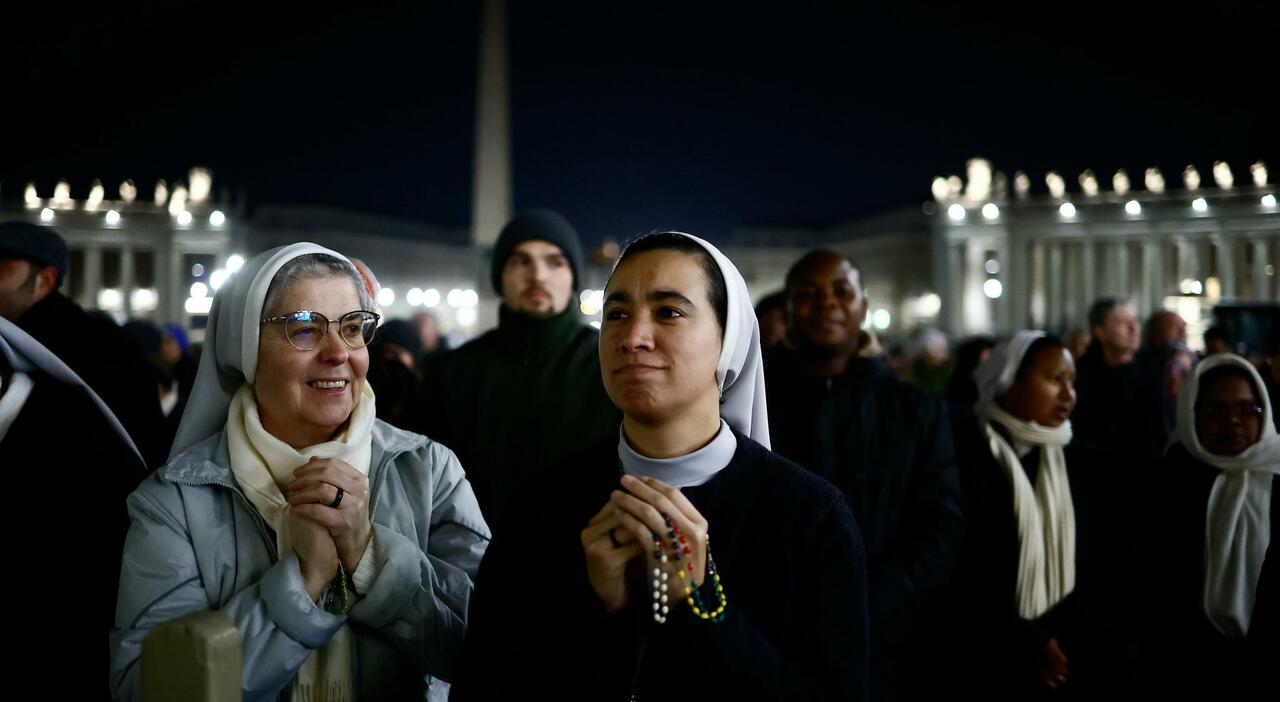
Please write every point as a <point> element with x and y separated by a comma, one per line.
<point>789,557</point>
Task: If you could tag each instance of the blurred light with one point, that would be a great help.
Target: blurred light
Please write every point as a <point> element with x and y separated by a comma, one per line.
<point>162,193</point>
<point>142,300</point>
<point>1154,180</point>
<point>62,193</point>
<point>96,194</point>
<point>1120,182</point>
<point>110,299</point>
<point>1021,184</point>
<point>217,219</point>
<point>234,263</point>
<point>979,172</point>
<point>1190,286</point>
<point>46,215</point>
<point>1258,170</point>
<point>1268,200</point>
<point>881,319</point>
<point>1089,183</point>
<point>198,305</point>
<point>1222,175</point>
<point>218,277</point>
<point>992,288</point>
<point>1212,288</point>
<point>386,297</point>
<point>1200,205</point>
<point>197,270</point>
<point>940,189</point>
<point>992,266</point>
<point>201,181</point>
<point>1057,186</point>
<point>584,296</point>
<point>178,201</point>
<point>928,305</point>
<point>413,297</point>
<point>112,218</point>
<point>1133,208</point>
<point>1196,287</point>
<point>31,197</point>
<point>431,297</point>
<point>956,212</point>
<point>454,298</point>
<point>1269,269</point>
<point>128,192</point>
<point>184,218</point>
<point>467,316</point>
<point>990,211</point>
<point>595,323</point>
<point>1191,178</point>
<point>470,298</point>
<point>1067,210</point>
<point>199,290</point>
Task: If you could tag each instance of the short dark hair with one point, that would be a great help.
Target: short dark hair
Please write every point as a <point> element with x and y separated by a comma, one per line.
<point>717,291</point>
<point>772,301</point>
<point>1216,333</point>
<point>793,273</point>
<point>1100,310</point>
<point>1048,341</point>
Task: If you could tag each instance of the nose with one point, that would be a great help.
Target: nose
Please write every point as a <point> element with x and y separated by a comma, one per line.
<point>637,334</point>
<point>332,349</point>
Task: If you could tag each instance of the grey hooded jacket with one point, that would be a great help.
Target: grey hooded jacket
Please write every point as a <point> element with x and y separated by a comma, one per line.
<point>196,543</point>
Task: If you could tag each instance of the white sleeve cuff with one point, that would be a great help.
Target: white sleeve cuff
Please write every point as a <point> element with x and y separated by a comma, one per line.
<point>366,570</point>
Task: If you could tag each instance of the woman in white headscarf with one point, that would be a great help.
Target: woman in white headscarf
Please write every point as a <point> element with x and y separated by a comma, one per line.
<point>1034,616</point>
<point>342,548</point>
<point>606,583</point>
<point>1213,535</point>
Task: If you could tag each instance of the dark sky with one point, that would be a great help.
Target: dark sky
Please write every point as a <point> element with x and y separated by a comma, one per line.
<point>630,116</point>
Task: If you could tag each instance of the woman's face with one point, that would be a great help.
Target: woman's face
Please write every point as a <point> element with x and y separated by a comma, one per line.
<point>1044,393</point>
<point>304,397</point>
<point>1228,415</point>
<point>659,340</point>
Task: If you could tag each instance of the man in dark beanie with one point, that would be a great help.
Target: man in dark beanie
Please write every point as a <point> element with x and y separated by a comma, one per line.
<point>523,397</point>
<point>33,263</point>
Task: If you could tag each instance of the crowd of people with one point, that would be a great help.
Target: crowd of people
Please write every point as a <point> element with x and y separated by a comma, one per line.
<point>382,517</point>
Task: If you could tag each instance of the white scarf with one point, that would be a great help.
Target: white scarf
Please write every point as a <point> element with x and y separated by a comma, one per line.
<point>1238,518</point>
<point>1045,513</point>
<point>12,399</point>
<point>263,466</point>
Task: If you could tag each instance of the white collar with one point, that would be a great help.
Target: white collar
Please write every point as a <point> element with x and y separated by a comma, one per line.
<point>682,471</point>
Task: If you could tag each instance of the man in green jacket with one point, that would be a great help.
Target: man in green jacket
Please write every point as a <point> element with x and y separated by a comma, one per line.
<point>525,396</point>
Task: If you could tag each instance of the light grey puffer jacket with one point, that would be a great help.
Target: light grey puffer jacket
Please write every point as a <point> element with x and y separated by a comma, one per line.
<point>196,543</point>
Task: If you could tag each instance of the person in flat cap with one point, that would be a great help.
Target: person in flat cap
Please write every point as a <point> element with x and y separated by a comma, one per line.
<point>528,394</point>
<point>33,265</point>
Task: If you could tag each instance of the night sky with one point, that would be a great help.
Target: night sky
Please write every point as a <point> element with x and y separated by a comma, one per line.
<point>631,116</point>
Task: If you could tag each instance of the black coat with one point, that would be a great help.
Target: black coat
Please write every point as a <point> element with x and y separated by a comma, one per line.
<point>887,445</point>
<point>71,473</point>
<point>995,653</point>
<point>109,362</point>
<point>791,565</point>
<point>517,401</point>
<point>1180,635</point>
<point>1108,415</point>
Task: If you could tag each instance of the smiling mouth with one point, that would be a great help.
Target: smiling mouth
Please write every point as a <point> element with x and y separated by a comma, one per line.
<point>328,384</point>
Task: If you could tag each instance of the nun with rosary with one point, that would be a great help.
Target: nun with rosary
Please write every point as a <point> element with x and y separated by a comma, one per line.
<point>606,583</point>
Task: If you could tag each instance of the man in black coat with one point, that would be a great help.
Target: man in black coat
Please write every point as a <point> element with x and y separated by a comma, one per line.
<point>75,466</point>
<point>835,408</point>
<point>1107,379</point>
<point>33,263</point>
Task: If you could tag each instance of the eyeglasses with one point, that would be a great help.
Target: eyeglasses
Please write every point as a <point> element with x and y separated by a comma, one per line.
<point>305,329</point>
<point>1221,412</point>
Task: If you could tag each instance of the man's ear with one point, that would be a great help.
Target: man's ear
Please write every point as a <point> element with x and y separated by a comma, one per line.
<point>46,282</point>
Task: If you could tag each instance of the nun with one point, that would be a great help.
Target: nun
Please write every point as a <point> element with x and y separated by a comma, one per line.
<point>1039,598</point>
<point>683,559</point>
<point>342,548</point>
<point>1214,620</point>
